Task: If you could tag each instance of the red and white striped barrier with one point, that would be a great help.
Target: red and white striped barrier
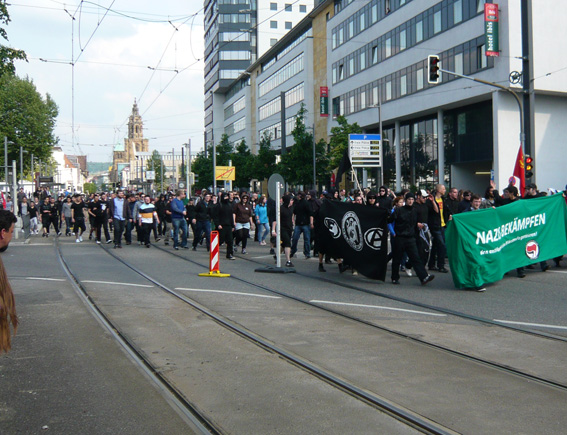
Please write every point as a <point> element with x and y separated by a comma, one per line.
<point>214,262</point>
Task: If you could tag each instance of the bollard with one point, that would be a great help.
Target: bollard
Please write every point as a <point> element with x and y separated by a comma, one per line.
<point>214,261</point>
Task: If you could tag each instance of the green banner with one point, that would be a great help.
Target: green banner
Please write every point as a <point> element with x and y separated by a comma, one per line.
<point>485,244</point>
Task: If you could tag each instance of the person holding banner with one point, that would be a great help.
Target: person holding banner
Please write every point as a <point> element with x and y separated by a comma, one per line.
<point>405,226</point>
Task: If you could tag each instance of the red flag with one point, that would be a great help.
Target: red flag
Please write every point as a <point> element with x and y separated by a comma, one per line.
<point>520,171</point>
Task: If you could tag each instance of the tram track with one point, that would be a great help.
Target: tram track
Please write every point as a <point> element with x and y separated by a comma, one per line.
<point>401,413</point>
<point>466,356</point>
<point>192,415</point>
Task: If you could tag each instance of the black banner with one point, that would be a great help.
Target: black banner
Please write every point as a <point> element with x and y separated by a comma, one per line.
<point>356,233</point>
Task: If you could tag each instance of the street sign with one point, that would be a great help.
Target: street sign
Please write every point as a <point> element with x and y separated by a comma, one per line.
<point>365,150</point>
<point>272,184</point>
<point>225,173</point>
<point>491,29</point>
<point>150,175</point>
<point>181,185</point>
<point>46,179</point>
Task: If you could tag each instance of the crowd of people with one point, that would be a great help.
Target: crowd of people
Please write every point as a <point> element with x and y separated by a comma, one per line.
<point>417,220</point>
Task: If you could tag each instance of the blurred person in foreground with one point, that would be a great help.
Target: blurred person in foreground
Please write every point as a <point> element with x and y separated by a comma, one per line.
<point>7,303</point>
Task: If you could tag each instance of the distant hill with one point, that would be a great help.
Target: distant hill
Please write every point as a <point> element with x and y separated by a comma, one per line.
<point>96,167</point>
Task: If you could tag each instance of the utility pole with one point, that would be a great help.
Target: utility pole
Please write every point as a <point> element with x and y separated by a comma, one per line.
<point>188,168</point>
<point>6,160</point>
<point>283,133</point>
<point>527,73</point>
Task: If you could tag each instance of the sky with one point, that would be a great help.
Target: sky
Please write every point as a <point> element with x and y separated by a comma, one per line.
<point>124,50</point>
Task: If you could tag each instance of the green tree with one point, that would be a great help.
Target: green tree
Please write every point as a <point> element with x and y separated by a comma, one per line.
<point>154,164</point>
<point>202,167</point>
<point>26,119</point>
<point>264,164</point>
<point>89,188</point>
<point>296,166</point>
<point>7,55</point>
<point>339,140</point>
<point>243,161</point>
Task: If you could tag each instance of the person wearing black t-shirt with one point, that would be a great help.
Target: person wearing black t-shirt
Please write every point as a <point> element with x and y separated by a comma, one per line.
<point>96,212</point>
<point>78,217</point>
<point>286,227</point>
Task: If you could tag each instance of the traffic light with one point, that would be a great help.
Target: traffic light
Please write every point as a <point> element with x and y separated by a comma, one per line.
<point>529,165</point>
<point>433,69</point>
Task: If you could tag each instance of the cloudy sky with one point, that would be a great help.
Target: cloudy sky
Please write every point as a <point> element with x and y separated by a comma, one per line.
<point>124,50</point>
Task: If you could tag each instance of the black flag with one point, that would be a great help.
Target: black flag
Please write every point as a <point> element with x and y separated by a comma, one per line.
<point>357,234</point>
<point>344,166</point>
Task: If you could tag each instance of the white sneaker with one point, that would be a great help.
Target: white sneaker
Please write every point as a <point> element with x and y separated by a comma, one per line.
<point>408,272</point>
<point>98,242</point>
<point>81,238</point>
<point>77,241</point>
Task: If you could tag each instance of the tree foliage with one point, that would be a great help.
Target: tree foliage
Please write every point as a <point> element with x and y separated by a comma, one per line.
<point>26,119</point>
<point>264,163</point>
<point>339,140</point>
<point>7,55</point>
<point>155,164</point>
<point>296,165</point>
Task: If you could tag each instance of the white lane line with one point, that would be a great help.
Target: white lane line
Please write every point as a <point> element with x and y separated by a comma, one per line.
<point>46,279</point>
<point>557,271</point>
<point>531,324</point>
<point>119,283</point>
<point>378,307</point>
<point>227,292</point>
<point>264,256</point>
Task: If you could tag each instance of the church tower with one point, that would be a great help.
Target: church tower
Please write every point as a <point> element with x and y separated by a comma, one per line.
<point>135,142</point>
<point>125,156</point>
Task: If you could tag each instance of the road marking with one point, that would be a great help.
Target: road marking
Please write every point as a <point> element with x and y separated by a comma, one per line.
<point>557,271</point>
<point>378,307</point>
<point>46,279</point>
<point>264,256</point>
<point>227,292</point>
<point>119,283</point>
<point>531,324</point>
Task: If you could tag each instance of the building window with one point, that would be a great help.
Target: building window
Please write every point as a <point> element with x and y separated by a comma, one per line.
<point>302,9</point>
<point>362,21</point>
<point>437,22</point>
<point>375,95</point>
<point>374,55</point>
<point>418,31</point>
<point>273,6</point>
<point>288,25</point>
<point>480,6</point>
<point>351,104</point>
<point>273,24</point>
<point>362,60</point>
<point>420,79</point>
<point>403,42</point>
<point>403,85</point>
<point>388,91</point>
<point>388,47</point>
<point>351,66</point>
<point>457,11</point>
<point>459,63</point>
<point>273,41</point>
<point>341,72</point>
<point>288,7</point>
<point>481,58</point>
<point>350,29</point>
<point>363,100</point>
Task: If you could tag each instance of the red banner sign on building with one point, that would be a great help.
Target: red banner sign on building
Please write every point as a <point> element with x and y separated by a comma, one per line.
<point>324,101</point>
<point>491,29</point>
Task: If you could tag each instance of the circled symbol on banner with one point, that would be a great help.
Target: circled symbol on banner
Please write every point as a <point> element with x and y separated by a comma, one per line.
<point>512,181</point>
<point>373,238</point>
<point>333,227</point>
<point>532,250</point>
<point>352,231</point>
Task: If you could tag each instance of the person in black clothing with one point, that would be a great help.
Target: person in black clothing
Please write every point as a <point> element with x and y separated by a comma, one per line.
<point>286,227</point>
<point>271,206</point>
<point>303,224</point>
<point>160,209</point>
<point>438,216</point>
<point>191,213</point>
<point>167,218</point>
<point>96,213</point>
<point>78,217</point>
<point>452,201</point>
<point>383,200</point>
<point>104,205</point>
<point>465,204</point>
<point>531,193</point>
<point>224,223</point>
<point>54,218</point>
<point>202,222</point>
<point>45,210</point>
<point>406,226</point>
